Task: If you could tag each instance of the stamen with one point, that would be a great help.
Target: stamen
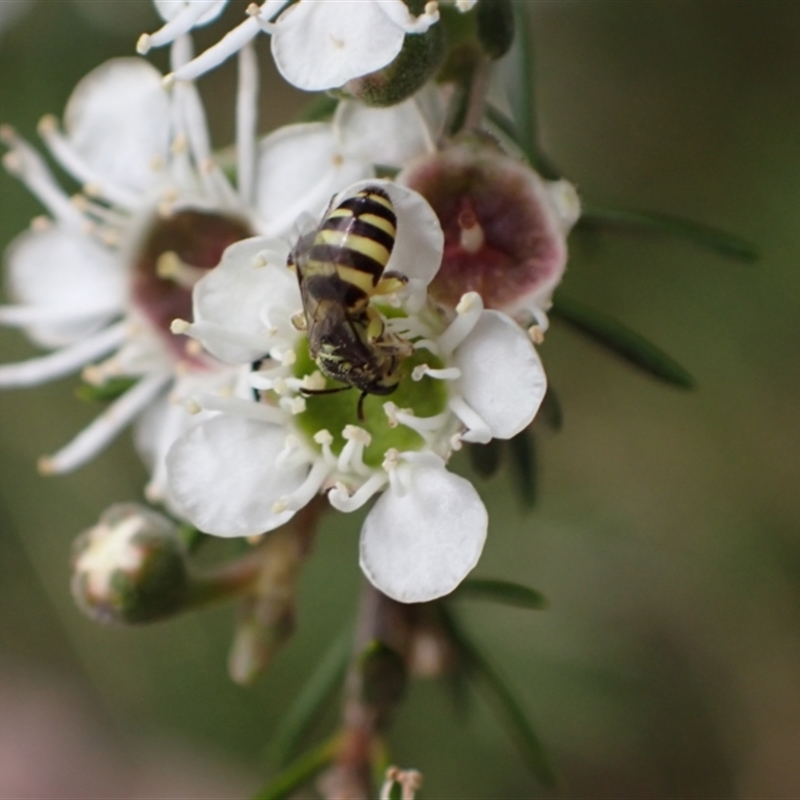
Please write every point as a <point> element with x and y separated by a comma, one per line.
<point>351,457</point>
<point>447,374</point>
<point>477,429</point>
<point>19,316</point>
<point>169,266</point>
<point>181,23</point>
<point>324,438</point>
<point>246,123</point>
<point>342,500</point>
<point>536,333</point>
<point>210,330</point>
<point>469,310</point>
<point>243,408</point>
<point>105,427</point>
<point>471,237</point>
<point>314,382</point>
<point>231,43</point>
<point>294,405</point>
<point>26,164</point>
<point>310,486</point>
<point>73,162</point>
<point>62,362</point>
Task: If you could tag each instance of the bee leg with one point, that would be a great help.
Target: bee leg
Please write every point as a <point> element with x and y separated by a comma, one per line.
<point>361,406</point>
<point>375,325</point>
<point>390,283</point>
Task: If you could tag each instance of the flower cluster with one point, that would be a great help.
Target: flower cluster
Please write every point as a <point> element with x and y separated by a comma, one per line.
<point>165,280</point>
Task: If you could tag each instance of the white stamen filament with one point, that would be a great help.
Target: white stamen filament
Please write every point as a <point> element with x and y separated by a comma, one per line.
<point>210,330</point>
<point>469,311</point>
<point>20,316</point>
<point>247,123</point>
<point>477,429</point>
<point>447,374</point>
<point>170,267</point>
<point>26,164</point>
<point>309,488</point>
<point>62,362</point>
<point>73,162</point>
<point>342,500</point>
<point>324,439</point>
<point>231,43</point>
<point>100,212</point>
<point>249,409</point>
<point>424,426</point>
<point>351,457</point>
<point>99,433</point>
<point>181,23</point>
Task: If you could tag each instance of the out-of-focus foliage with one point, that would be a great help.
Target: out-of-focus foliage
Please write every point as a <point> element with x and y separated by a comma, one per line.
<point>665,534</point>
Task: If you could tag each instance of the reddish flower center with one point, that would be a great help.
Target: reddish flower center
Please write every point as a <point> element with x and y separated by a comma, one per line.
<point>177,251</point>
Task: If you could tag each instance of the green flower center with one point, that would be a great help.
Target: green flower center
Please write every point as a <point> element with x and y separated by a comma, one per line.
<point>426,398</point>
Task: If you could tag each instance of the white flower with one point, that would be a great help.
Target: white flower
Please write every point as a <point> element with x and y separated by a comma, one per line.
<point>316,45</point>
<point>255,464</point>
<point>104,275</point>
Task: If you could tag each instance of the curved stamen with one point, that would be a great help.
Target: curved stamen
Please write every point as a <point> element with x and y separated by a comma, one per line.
<point>469,311</point>
<point>342,500</point>
<point>309,488</point>
<point>181,23</point>
<point>324,439</point>
<point>99,433</point>
<point>351,457</point>
<point>477,429</point>
<point>447,374</point>
<point>73,162</point>
<point>62,362</point>
<point>243,408</point>
<point>20,316</point>
<point>26,164</point>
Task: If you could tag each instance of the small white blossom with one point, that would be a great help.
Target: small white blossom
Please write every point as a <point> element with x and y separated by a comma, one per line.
<point>99,279</point>
<point>255,464</point>
<point>316,45</point>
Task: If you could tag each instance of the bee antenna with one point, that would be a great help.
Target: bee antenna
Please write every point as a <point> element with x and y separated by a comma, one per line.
<point>334,390</point>
<point>361,406</point>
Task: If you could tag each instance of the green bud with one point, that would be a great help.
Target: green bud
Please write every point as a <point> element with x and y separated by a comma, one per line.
<point>416,63</point>
<point>495,26</point>
<point>130,568</point>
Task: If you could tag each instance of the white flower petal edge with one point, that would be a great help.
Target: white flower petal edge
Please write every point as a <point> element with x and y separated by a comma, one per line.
<point>419,544</point>
<point>225,475</point>
<point>502,378</point>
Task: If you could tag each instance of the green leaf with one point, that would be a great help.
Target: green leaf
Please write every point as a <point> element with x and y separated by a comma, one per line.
<point>510,594</point>
<point>320,109</point>
<point>486,458</point>
<point>105,392</point>
<point>703,235</point>
<point>312,699</point>
<point>524,469</point>
<point>505,704</point>
<point>622,341</point>
<point>301,771</point>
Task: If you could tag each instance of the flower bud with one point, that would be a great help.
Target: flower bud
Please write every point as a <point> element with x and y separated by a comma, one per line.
<point>505,227</point>
<point>130,568</point>
<point>414,65</point>
<point>496,27</point>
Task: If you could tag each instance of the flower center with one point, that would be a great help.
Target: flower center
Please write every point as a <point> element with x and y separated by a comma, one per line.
<point>425,397</point>
<point>176,252</point>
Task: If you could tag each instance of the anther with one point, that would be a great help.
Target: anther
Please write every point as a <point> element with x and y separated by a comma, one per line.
<point>431,8</point>
<point>143,44</point>
<point>288,357</point>
<point>253,10</point>
<point>168,81</point>
<point>468,302</point>
<point>472,237</point>
<point>41,223</point>
<point>93,189</point>
<point>294,405</point>
<point>180,326</point>
<point>314,382</point>
<point>356,434</point>
<point>179,144</point>
<point>7,134</point>
<point>279,506</point>
<point>192,406</point>
<point>323,437</point>
<point>536,333</point>
<point>193,348</point>
<point>391,458</point>
<point>47,124</point>
<point>259,261</point>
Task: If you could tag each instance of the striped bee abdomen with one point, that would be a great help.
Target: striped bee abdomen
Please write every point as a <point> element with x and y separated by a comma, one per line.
<point>356,239</point>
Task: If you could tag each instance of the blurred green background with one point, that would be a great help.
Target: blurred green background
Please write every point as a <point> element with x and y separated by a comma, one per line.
<point>666,533</point>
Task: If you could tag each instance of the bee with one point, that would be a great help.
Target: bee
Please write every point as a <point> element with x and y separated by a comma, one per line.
<point>340,267</point>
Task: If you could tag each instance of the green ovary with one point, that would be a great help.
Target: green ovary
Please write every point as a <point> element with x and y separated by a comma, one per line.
<point>333,412</point>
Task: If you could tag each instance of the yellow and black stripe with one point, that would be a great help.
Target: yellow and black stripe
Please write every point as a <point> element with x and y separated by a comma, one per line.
<point>354,243</point>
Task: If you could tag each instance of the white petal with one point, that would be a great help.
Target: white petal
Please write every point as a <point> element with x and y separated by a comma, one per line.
<point>223,474</point>
<point>59,269</point>
<point>502,377</point>
<point>419,244</point>
<point>394,135</point>
<point>300,167</point>
<point>421,545</point>
<point>117,119</point>
<point>347,39</point>
<point>169,9</point>
<point>244,296</point>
